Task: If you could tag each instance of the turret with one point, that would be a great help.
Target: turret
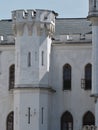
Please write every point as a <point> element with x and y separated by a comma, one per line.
<point>93,17</point>
<point>33,30</point>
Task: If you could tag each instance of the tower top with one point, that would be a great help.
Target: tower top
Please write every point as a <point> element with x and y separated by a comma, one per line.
<point>93,8</point>
<point>42,19</point>
<point>33,15</point>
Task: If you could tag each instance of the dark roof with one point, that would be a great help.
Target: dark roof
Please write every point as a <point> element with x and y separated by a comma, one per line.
<point>63,26</point>
<point>6,27</point>
<point>72,26</point>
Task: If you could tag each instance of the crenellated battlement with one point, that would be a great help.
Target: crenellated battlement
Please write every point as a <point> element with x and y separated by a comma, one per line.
<point>22,15</point>
<point>44,19</point>
<point>33,15</point>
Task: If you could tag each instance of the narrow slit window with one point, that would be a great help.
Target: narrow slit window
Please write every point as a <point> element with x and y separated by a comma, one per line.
<point>94,3</point>
<point>42,114</point>
<point>29,59</point>
<point>67,77</point>
<point>42,58</point>
<point>17,58</point>
<point>11,76</point>
<point>35,56</point>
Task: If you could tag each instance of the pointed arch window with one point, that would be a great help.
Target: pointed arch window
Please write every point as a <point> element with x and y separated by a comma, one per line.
<point>88,77</point>
<point>66,77</point>
<point>11,76</point>
<point>10,121</point>
<point>88,119</point>
<point>67,121</point>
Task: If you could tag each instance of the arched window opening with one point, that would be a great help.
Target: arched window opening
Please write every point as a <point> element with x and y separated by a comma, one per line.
<point>10,121</point>
<point>11,76</point>
<point>67,121</point>
<point>88,119</point>
<point>67,77</point>
<point>88,77</point>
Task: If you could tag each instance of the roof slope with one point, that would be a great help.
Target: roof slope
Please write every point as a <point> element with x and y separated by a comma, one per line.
<point>72,26</point>
<point>6,27</point>
<point>63,26</point>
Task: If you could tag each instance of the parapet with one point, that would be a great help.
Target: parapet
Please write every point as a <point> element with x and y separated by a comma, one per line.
<point>33,15</point>
<point>42,19</point>
<point>22,15</point>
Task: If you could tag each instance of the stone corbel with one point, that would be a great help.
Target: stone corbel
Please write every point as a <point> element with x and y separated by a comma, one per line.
<point>30,28</point>
<point>14,29</point>
<point>42,26</point>
<point>50,28</point>
<point>39,30</point>
<point>20,28</point>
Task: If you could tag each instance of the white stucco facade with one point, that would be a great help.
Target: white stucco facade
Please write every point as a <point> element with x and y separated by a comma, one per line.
<point>39,48</point>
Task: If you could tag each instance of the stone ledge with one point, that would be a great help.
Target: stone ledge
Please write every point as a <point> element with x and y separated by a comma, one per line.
<point>35,88</point>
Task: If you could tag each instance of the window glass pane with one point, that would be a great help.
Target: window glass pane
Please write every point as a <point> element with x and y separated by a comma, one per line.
<point>67,77</point>
<point>29,59</point>
<point>67,121</point>
<point>42,58</point>
<point>88,119</point>
<point>10,121</point>
<point>11,76</point>
<point>88,76</point>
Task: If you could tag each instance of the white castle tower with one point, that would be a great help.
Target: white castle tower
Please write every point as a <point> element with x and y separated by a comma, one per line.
<point>33,31</point>
<point>93,17</point>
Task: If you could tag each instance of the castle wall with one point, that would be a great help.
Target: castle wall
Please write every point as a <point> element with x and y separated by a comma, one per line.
<point>77,100</point>
<point>7,58</point>
<point>38,100</point>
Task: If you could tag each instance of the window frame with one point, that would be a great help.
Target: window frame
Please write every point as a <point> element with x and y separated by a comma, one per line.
<point>67,76</point>
<point>67,119</point>
<point>11,76</point>
<point>88,119</point>
<point>88,76</point>
<point>10,121</point>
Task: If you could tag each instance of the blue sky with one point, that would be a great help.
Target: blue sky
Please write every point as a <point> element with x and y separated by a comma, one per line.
<point>65,8</point>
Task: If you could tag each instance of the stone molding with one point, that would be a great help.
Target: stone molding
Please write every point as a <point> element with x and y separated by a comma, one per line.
<point>50,89</point>
<point>18,28</point>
